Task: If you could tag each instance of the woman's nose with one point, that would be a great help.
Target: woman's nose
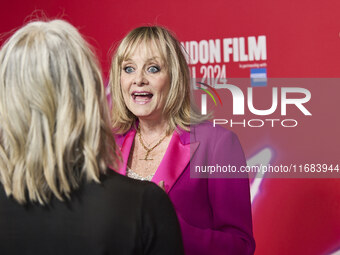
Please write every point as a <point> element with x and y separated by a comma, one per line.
<point>140,78</point>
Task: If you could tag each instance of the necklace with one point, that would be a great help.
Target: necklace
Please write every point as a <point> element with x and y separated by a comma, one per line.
<point>148,150</point>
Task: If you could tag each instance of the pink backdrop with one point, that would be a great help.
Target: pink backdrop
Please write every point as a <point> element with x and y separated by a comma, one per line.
<point>291,216</point>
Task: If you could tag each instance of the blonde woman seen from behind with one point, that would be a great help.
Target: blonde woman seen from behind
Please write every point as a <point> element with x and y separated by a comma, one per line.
<point>57,195</point>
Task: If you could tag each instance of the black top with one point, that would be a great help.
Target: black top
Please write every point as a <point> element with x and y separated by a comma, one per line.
<point>118,216</point>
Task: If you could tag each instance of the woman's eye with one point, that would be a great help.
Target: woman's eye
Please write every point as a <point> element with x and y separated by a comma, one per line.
<point>153,69</point>
<point>128,69</point>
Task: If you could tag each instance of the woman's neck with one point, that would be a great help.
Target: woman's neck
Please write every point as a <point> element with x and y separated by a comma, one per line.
<point>152,128</point>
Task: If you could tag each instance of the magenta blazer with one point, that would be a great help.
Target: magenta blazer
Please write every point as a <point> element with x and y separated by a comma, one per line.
<point>214,214</point>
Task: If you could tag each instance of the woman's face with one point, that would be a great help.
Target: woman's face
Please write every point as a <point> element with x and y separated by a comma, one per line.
<point>145,83</point>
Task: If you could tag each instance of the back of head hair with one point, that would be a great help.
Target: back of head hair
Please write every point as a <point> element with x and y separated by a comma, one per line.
<point>54,121</point>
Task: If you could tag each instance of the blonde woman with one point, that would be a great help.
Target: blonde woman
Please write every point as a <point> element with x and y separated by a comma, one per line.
<point>160,135</point>
<point>56,194</point>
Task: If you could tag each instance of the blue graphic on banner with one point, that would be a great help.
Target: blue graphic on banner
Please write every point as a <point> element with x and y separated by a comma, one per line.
<point>258,77</point>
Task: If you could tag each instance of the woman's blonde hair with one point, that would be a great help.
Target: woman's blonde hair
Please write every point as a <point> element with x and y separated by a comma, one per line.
<point>178,109</point>
<point>54,118</point>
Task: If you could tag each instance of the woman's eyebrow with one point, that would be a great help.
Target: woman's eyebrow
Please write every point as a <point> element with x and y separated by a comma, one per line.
<point>127,60</point>
<point>157,59</point>
<point>153,58</point>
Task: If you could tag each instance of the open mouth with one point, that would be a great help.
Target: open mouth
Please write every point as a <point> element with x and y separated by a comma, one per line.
<point>142,97</point>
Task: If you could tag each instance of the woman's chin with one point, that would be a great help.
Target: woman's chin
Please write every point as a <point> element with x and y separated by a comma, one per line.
<point>147,116</point>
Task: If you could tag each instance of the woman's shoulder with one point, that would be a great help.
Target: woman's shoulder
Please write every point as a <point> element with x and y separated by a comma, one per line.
<point>116,182</point>
<point>147,195</point>
<point>208,131</point>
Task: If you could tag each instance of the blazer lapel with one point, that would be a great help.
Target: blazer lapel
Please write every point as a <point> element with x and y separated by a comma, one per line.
<point>175,160</point>
<point>125,144</point>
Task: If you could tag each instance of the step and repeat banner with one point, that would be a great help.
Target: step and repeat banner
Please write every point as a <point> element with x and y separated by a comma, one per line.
<point>269,71</point>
